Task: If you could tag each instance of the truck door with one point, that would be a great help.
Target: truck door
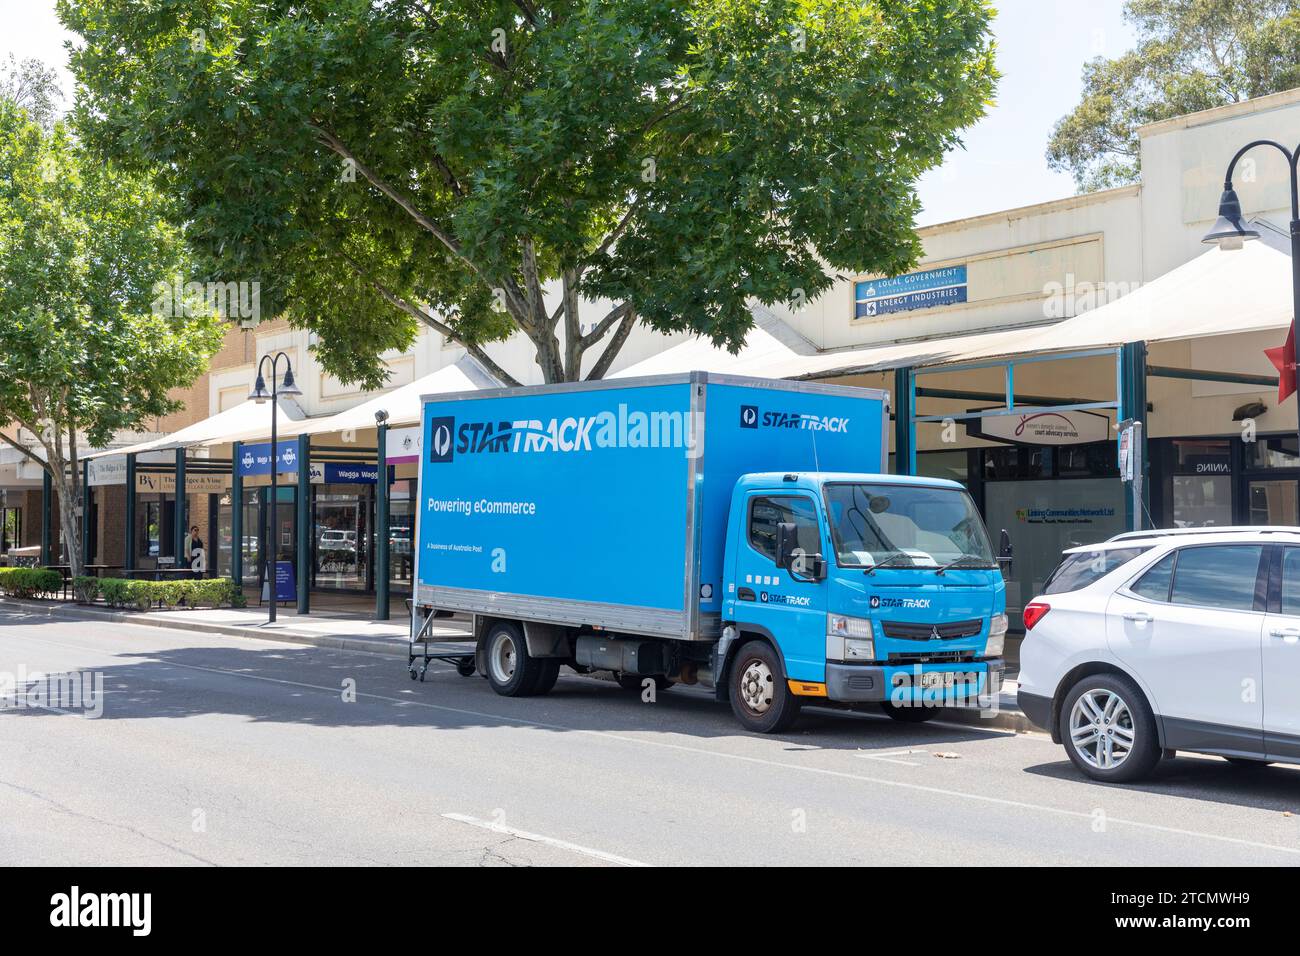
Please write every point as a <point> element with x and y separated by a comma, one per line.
<point>785,604</point>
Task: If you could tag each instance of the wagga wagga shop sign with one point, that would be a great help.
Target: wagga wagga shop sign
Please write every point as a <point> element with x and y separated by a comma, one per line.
<point>1043,428</point>
<point>165,484</point>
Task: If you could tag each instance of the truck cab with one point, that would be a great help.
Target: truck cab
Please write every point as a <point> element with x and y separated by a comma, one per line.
<point>857,589</point>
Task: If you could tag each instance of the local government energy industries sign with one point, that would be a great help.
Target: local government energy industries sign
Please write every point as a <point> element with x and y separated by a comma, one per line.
<point>927,289</point>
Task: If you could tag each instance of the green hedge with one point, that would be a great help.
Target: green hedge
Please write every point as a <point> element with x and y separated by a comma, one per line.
<point>30,582</point>
<point>142,595</point>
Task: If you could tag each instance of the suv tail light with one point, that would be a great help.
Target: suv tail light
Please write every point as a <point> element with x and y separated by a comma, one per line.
<point>1034,613</point>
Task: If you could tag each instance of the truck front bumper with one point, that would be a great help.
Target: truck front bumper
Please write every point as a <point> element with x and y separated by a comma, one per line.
<point>865,683</point>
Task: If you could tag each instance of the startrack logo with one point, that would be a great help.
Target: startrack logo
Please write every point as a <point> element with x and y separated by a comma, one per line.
<point>752,417</point>
<point>614,428</point>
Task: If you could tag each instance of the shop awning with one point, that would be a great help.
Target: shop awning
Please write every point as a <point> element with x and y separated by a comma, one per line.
<point>770,341</point>
<point>244,417</point>
<point>1217,293</point>
<point>403,404</point>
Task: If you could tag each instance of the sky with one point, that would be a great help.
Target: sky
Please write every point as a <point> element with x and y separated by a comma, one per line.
<point>1042,46</point>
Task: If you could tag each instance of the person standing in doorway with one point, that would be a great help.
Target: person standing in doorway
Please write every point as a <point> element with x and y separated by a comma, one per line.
<point>196,553</point>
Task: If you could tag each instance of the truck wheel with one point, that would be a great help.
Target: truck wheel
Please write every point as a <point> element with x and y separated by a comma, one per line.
<point>1108,729</point>
<point>547,675</point>
<point>511,671</point>
<point>909,715</point>
<point>760,698</point>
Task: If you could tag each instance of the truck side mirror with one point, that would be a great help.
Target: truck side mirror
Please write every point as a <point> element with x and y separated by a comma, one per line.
<point>1005,551</point>
<point>800,564</point>
<point>787,540</point>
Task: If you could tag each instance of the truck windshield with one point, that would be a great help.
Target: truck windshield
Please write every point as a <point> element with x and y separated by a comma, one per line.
<point>903,526</point>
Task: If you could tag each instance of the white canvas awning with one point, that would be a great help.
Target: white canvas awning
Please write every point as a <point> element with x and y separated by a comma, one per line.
<point>1217,293</point>
<point>244,417</point>
<point>769,341</point>
<point>404,405</point>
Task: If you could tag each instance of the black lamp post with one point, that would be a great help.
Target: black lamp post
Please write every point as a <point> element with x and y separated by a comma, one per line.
<point>1229,232</point>
<point>286,386</point>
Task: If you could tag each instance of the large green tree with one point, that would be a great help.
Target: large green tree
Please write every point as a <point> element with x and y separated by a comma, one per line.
<point>84,351</point>
<point>1191,55</point>
<point>381,164</point>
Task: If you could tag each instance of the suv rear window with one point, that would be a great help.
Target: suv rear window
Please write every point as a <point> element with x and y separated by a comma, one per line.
<point>1081,568</point>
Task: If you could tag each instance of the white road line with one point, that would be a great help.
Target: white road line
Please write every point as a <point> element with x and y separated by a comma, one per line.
<point>548,841</point>
<point>743,758</point>
<point>889,757</point>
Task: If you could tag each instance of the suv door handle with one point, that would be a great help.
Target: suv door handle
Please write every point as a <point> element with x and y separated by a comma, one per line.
<point>1286,632</point>
<point>1142,617</point>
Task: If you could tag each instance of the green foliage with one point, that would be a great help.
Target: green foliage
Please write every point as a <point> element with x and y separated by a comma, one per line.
<point>376,165</point>
<point>83,352</point>
<point>142,595</point>
<point>30,582</point>
<point>85,588</point>
<point>1191,55</point>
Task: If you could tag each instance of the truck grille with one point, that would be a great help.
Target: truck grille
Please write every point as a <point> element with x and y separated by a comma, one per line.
<point>949,630</point>
<point>939,657</point>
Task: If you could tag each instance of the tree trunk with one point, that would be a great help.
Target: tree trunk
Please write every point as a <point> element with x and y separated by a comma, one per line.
<point>65,490</point>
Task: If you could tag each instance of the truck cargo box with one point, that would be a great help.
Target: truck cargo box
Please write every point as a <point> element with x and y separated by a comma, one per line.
<point>605,503</point>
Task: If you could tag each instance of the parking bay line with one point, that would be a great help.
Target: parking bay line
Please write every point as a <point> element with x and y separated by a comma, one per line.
<point>744,758</point>
<point>539,838</point>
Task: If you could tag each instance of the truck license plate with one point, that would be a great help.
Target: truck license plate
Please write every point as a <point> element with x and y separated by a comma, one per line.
<point>943,679</point>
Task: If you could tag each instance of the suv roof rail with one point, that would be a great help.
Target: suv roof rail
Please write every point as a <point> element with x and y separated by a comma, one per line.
<point>1226,529</point>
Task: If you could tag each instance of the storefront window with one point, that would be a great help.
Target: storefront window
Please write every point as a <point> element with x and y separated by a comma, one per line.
<point>943,464</point>
<point>1272,502</point>
<point>401,532</point>
<point>1046,517</point>
<point>1200,482</point>
<point>1202,501</point>
<point>11,528</point>
<point>341,519</point>
<point>151,541</point>
<point>1276,452</point>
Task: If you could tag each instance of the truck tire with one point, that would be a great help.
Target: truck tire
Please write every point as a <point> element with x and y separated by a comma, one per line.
<point>547,675</point>
<point>511,670</point>
<point>1108,730</point>
<point>760,697</point>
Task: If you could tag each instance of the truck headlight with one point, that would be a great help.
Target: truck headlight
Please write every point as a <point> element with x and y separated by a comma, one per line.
<point>997,636</point>
<point>849,638</point>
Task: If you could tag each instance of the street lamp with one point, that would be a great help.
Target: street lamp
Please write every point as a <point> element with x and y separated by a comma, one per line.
<point>1229,232</point>
<point>260,395</point>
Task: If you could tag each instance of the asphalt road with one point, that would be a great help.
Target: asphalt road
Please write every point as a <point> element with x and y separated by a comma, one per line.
<point>218,750</point>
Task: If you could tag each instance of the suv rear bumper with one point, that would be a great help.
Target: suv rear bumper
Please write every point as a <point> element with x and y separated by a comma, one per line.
<point>1037,708</point>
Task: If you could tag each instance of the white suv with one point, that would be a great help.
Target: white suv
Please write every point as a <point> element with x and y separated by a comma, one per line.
<point>1159,641</point>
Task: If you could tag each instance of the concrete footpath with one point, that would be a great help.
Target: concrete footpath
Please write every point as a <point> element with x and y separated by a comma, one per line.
<point>348,632</point>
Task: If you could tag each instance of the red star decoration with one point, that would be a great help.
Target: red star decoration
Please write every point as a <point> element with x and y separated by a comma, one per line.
<point>1283,359</point>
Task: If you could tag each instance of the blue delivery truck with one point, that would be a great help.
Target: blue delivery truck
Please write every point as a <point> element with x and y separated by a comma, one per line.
<point>698,528</point>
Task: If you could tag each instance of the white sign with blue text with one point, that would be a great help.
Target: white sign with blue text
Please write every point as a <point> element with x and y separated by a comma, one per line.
<point>927,289</point>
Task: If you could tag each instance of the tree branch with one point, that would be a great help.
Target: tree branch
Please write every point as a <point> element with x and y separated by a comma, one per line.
<point>514,300</point>
<point>612,349</point>
<point>430,320</point>
<point>604,325</point>
<point>12,443</point>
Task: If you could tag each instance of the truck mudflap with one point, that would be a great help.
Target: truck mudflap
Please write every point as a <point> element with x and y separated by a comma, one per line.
<point>970,684</point>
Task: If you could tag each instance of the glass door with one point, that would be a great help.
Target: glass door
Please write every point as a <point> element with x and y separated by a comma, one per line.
<point>1272,501</point>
